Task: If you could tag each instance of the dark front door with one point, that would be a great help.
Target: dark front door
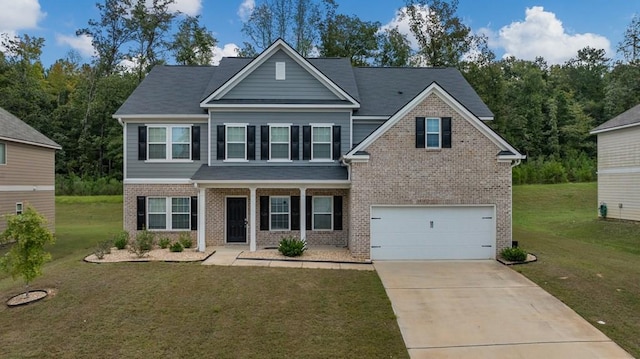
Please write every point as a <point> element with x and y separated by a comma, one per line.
<point>236,220</point>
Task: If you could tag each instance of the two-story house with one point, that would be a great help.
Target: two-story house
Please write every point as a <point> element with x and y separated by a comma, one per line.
<point>27,170</point>
<point>393,163</point>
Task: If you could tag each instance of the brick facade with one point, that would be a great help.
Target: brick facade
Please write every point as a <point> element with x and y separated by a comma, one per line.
<point>216,215</point>
<point>399,173</point>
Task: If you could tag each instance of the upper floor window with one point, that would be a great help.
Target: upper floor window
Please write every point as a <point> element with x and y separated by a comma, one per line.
<point>3,154</point>
<point>236,142</point>
<point>321,142</point>
<point>433,133</point>
<point>169,142</point>
<point>279,142</point>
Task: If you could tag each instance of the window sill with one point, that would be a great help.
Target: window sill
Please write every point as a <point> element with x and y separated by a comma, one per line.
<point>168,161</point>
<point>322,230</point>
<point>281,161</point>
<point>235,160</point>
<point>322,160</point>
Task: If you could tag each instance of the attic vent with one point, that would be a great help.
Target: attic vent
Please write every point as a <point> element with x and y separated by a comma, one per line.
<point>280,71</point>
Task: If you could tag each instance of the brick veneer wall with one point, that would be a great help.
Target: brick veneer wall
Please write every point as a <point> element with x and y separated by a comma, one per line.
<point>131,191</point>
<point>216,217</point>
<point>399,173</point>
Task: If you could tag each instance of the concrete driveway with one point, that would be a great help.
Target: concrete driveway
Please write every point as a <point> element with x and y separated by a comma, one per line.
<point>482,309</point>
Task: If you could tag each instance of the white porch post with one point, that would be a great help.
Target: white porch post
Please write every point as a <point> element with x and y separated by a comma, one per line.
<point>201,219</point>
<point>303,214</point>
<point>252,219</point>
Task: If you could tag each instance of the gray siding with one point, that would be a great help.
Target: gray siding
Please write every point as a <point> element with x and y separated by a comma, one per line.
<point>294,118</point>
<point>141,169</point>
<point>363,129</point>
<point>262,83</point>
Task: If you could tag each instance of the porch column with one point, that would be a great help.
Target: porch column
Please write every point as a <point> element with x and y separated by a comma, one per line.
<point>252,219</point>
<point>303,214</point>
<point>201,219</point>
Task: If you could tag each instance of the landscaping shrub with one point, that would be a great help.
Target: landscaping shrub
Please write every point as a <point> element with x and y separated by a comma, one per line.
<point>185,240</point>
<point>514,254</point>
<point>102,248</point>
<point>142,244</point>
<point>121,239</point>
<point>164,242</point>
<point>176,247</point>
<point>292,246</point>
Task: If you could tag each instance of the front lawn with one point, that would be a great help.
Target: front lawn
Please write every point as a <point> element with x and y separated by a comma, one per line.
<point>188,310</point>
<point>591,265</point>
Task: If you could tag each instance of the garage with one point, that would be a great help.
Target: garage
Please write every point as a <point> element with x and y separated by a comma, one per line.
<point>433,232</point>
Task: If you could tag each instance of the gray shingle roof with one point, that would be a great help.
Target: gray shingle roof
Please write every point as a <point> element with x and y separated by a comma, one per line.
<point>12,128</point>
<point>271,173</point>
<point>384,90</point>
<point>629,117</point>
<point>169,90</point>
<point>380,91</point>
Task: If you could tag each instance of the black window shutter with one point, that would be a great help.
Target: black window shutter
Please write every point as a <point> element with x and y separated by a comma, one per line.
<point>264,213</point>
<point>295,143</point>
<point>306,143</point>
<point>336,143</point>
<point>295,213</point>
<point>142,143</point>
<point>251,142</point>
<point>420,132</point>
<point>308,214</point>
<point>220,148</point>
<point>194,213</point>
<point>195,143</point>
<point>446,132</point>
<point>141,212</point>
<point>337,213</point>
<point>264,142</point>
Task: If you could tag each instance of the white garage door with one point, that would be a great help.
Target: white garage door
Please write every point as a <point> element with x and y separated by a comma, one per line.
<point>433,232</point>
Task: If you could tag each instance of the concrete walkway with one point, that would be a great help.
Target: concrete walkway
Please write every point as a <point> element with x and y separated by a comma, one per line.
<point>483,309</point>
<point>228,256</point>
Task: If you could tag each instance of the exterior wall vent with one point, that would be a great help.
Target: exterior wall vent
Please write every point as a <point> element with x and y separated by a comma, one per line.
<point>280,71</point>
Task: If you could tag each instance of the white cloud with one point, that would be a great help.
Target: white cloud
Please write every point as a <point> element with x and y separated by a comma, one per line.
<point>401,21</point>
<point>542,34</point>
<point>228,50</point>
<point>245,9</point>
<point>17,15</point>
<point>188,7</point>
<point>81,43</point>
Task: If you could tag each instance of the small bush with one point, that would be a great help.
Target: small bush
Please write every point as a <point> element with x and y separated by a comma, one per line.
<point>142,244</point>
<point>292,246</point>
<point>164,242</point>
<point>514,254</point>
<point>102,248</point>
<point>185,240</point>
<point>121,239</point>
<point>176,247</point>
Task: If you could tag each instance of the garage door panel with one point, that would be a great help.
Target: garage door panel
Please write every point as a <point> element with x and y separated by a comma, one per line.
<point>432,232</point>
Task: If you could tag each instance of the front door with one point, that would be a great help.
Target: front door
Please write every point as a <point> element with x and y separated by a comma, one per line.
<point>236,220</point>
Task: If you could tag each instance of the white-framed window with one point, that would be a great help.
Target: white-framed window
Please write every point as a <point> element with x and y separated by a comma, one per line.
<point>236,142</point>
<point>321,142</point>
<point>3,154</point>
<point>168,213</point>
<point>280,210</point>
<point>279,148</point>
<point>169,143</point>
<point>281,73</point>
<point>433,133</point>
<point>19,208</point>
<point>322,212</point>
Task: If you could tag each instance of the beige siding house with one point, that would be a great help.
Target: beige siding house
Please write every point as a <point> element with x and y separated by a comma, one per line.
<point>619,165</point>
<point>27,165</point>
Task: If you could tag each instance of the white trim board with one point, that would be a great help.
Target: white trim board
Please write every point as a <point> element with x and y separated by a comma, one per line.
<point>27,188</point>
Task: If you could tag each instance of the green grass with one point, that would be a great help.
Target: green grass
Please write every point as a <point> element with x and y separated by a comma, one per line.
<point>188,310</point>
<point>591,265</point>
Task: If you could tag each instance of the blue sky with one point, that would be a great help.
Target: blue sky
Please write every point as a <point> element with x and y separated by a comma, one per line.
<point>554,29</point>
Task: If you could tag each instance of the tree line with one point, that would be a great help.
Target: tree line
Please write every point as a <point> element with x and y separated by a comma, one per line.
<point>545,111</point>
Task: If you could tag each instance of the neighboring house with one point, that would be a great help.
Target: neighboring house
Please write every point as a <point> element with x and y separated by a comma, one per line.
<point>27,165</point>
<point>393,163</point>
<point>619,165</point>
